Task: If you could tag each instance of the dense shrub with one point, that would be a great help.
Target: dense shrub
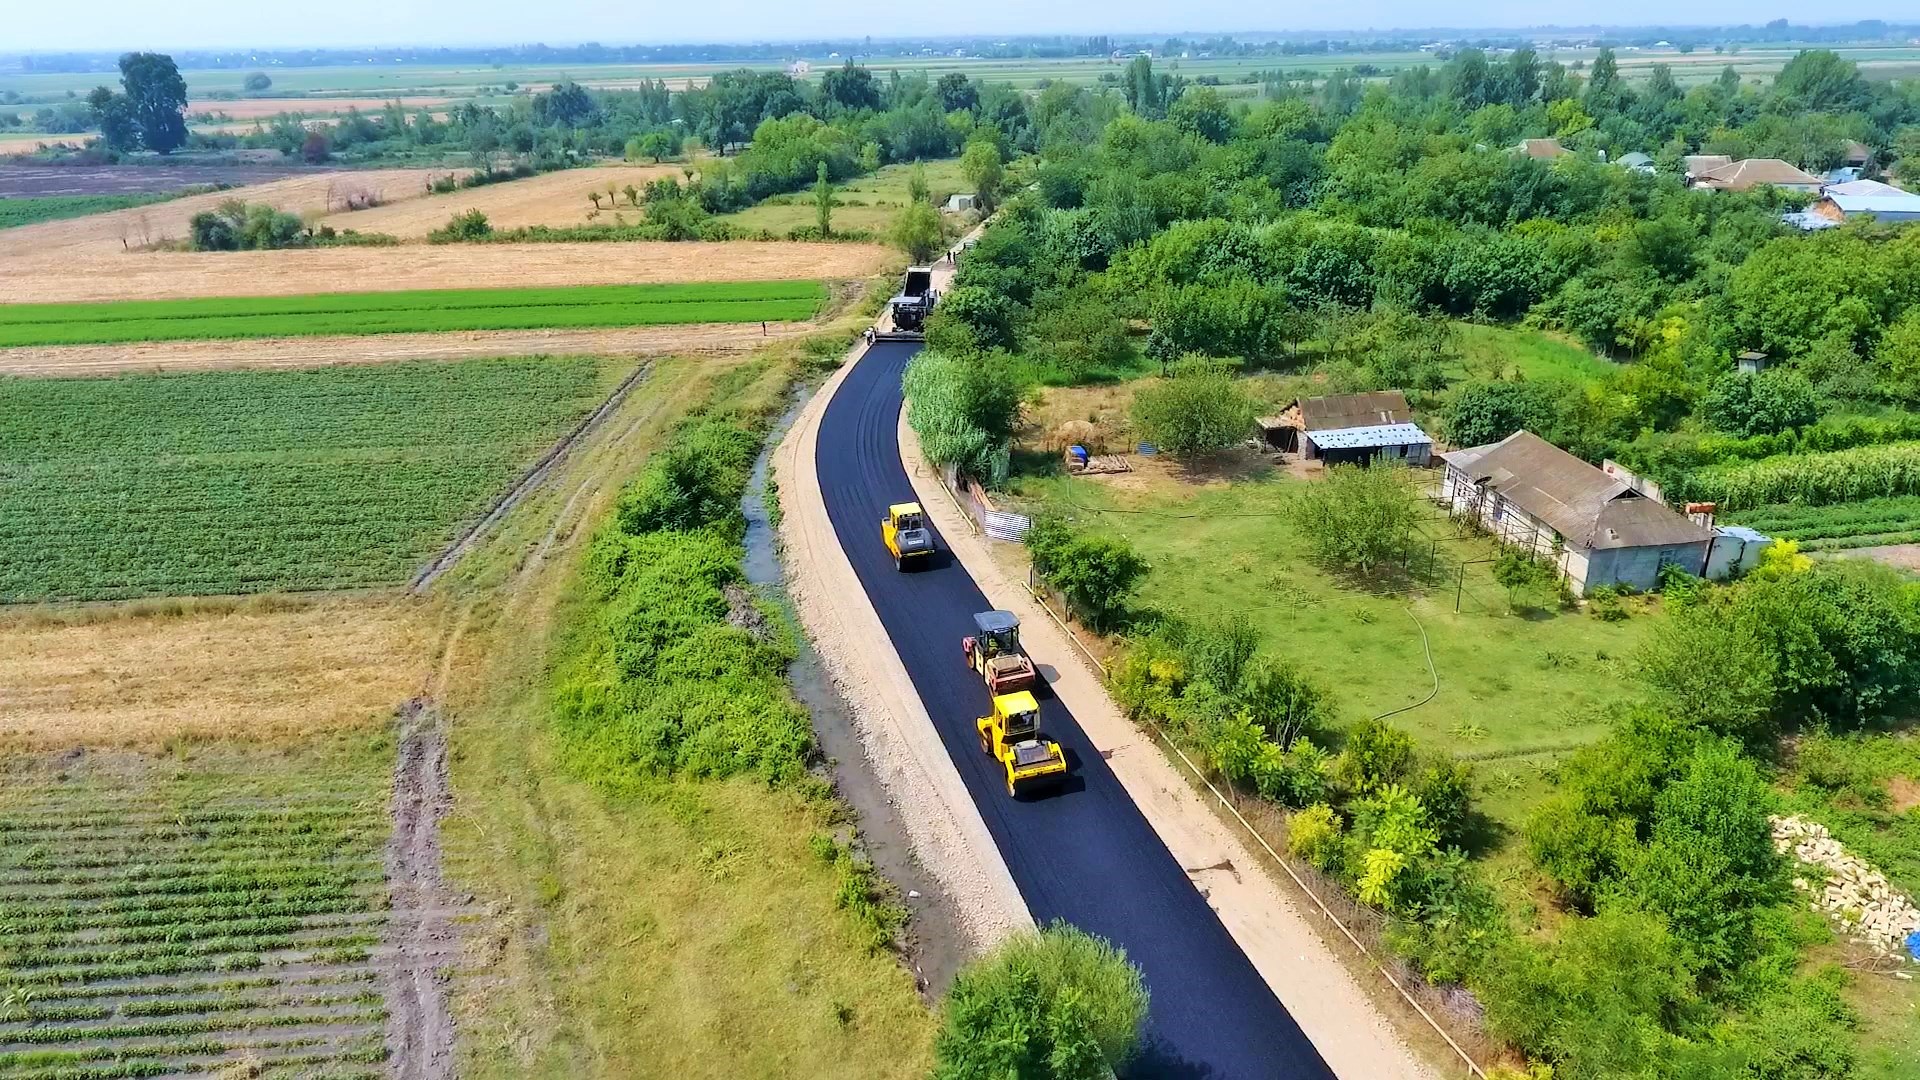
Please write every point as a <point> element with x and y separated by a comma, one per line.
<point>1359,517</point>
<point>1202,408</point>
<point>1095,572</point>
<point>963,408</point>
<point>1058,1004</point>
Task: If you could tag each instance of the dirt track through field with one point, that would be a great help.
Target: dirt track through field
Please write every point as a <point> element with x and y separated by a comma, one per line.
<point>97,274</point>
<point>310,352</point>
<point>422,940</point>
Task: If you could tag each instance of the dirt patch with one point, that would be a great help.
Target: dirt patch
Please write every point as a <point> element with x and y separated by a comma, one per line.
<point>311,352</point>
<point>1903,794</point>
<point>422,940</point>
<point>102,271</point>
<point>556,198</point>
<point>116,231</point>
<point>264,669</point>
<point>537,475</point>
<point>1904,556</point>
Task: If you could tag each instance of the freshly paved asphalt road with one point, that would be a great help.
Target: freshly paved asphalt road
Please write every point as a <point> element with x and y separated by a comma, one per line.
<point>1085,855</point>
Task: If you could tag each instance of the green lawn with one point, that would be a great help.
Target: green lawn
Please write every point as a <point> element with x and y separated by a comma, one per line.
<point>28,211</point>
<point>250,481</point>
<point>426,311</point>
<point>1515,690</point>
<point>868,204</point>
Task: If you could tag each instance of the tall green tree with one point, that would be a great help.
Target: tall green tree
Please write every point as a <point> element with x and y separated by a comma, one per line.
<point>157,97</point>
<point>113,115</point>
<point>823,200</point>
<point>981,165</point>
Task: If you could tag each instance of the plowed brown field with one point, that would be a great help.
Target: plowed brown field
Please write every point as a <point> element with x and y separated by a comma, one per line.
<point>112,233</point>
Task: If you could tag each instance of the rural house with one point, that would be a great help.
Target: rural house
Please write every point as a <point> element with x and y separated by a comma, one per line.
<point>1349,429</point>
<point>1543,149</point>
<point>1596,528</point>
<point>1753,172</point>
<point>1842,202</point>
<point>1698,165</point>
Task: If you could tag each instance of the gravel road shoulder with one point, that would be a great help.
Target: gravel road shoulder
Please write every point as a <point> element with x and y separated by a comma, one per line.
<point>904,750</point>
<point>1356,1041</point>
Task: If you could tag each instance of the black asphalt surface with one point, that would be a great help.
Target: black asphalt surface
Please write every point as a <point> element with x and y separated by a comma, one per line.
<point>1085,855</point>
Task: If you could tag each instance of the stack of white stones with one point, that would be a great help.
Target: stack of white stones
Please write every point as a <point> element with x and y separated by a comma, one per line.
<point>1854,894</point>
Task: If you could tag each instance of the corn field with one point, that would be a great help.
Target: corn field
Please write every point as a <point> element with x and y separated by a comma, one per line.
<point>1865,472</point>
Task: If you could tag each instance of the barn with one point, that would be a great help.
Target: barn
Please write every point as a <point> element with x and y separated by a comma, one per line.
<point>1351,429</point>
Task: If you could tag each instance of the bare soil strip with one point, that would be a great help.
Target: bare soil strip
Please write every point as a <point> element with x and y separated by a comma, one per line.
<point>102,271</point>
<point>535,476</point>
<point>421,933</point>
<point>310,352</point>
<point>556,198</point>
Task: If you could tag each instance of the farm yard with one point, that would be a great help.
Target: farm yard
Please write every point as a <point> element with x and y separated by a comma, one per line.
<point>103,275</point>
<point>220,909</point>
<point>249,481</point>
<point>409,312</point>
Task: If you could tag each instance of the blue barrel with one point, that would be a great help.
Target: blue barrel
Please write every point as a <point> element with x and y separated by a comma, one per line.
<point>1079,453</point>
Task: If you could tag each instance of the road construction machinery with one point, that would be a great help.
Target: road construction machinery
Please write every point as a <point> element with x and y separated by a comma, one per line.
<point>905,531</point>
<point>995,653</point>
<point>915,302</point>
<point>1011,736</point>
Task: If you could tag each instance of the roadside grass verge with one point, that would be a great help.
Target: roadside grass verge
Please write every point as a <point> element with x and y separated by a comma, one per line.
<point>29,210</point>
<point>210,902</point>
<point>250,481</point>
<point>663,919</point>
<point>424,311</point>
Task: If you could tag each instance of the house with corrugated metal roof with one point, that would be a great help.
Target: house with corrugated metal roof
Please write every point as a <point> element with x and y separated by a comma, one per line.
<point>1843,202</point>
<point>1350,429</point>
<point>1596,528</point>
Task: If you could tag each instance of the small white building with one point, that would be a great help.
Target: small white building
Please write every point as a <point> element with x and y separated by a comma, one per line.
<point>960,204</point>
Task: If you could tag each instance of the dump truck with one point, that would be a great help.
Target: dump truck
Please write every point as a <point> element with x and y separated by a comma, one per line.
<point>995,653</point>
<point>907,537</point>
<point>1011,736</point>
<point>915,302</point>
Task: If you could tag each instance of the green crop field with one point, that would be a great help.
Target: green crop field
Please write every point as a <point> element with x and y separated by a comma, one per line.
<point>423,311</point>
<point>192,914</point>
<point>27,211</point>
<point>232,482</point>
<point>870,203</point>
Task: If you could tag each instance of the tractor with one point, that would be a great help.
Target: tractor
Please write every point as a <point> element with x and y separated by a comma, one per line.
<point>1012,737</point>
<point>996,655</point>
<point>906,534</point>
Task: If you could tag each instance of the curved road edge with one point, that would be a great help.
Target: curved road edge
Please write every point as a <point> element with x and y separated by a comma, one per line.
<point>904,750</point>
<point>1334,1011</point>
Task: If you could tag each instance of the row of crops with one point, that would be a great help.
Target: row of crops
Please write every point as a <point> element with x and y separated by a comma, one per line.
<point>249,481</point>
<point>1842,476</point>
<point>417,311</point>
<point>1869,522</point>
<point>214,915</point>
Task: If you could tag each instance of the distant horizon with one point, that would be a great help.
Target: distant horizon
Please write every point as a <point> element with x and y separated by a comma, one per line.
<point>111,26</point>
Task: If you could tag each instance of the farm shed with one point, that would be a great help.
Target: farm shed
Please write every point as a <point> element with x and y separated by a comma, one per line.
<point>1349,429</point>
<point>960,204</point>
<point>1597,528</point>
<point>1839,202</point>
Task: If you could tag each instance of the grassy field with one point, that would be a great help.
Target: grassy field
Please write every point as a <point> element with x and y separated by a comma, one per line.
<point>249,481</point>
<point>868,204</point>
<point>1516,689</point>
<point>408,312</point>
<point>28,211</point>
<point>193,913</point>
<point>1528,354</point>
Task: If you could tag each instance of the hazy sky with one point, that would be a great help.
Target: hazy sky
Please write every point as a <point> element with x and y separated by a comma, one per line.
<point>117,24</point>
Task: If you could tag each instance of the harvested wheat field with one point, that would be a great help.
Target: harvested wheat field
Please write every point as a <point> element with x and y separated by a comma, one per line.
<point>262,108</point>
<point>264,669</point>
<point>53,243</point>
<point>555,198</point>
<point>26,142</point>
<point>701,339</point>
<point>99,273</point>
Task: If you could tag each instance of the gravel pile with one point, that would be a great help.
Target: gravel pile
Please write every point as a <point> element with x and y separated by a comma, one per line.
<point>1855,895</point>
